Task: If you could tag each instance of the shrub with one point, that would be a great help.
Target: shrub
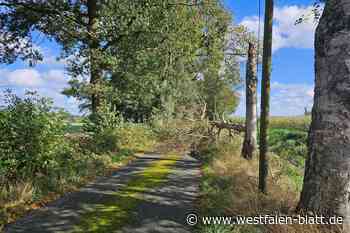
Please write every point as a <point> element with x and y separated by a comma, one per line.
<point>139,137</point>
<point>289,144</point>
<point>29,135</point>
<point>103,128</point>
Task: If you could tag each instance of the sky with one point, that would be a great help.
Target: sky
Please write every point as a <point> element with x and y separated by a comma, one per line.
<point>292,78</point>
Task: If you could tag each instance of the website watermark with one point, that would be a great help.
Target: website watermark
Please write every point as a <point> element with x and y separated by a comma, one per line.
<point>193,219</point>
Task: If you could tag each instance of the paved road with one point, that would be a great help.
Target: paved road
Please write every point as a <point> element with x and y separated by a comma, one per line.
<point>162,209</point>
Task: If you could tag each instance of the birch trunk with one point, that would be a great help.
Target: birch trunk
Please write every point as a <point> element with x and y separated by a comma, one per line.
<point>326,188</point>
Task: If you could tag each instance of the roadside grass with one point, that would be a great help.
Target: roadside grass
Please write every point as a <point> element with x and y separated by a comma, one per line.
<point>83,167</point>
<point>229,188</point>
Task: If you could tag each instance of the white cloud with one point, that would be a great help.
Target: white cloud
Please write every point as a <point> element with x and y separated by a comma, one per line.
<point>285,33</point>
<point>286,99</point>
<point>24,77</point>
<point>56,76</point>
<point>49,84</point>
<point>30,78</point>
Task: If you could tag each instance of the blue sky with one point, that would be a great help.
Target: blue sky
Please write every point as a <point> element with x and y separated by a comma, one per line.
<point>292,69</point>
<point>292,79</point>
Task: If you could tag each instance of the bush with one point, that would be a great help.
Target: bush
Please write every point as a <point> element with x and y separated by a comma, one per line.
<point>139,137</point>
<point>30,134</point>
<point>103,128</point>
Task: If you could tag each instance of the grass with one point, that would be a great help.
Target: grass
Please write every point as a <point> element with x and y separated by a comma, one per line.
<point>295,123</point>
<point>21,197</point>
<point>229,188</point>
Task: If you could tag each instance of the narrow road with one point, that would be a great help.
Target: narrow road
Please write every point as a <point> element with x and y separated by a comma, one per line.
<point>151,195</point>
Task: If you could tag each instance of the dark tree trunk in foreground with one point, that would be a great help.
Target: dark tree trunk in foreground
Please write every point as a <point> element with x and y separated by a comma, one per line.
<point>249,144</point>
<point>326,187</point>
<point>265,97</point>
<point>95,73</point>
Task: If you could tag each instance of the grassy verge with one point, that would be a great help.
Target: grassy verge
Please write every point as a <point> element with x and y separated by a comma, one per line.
<point>82,168</point>
<point>229,188</point>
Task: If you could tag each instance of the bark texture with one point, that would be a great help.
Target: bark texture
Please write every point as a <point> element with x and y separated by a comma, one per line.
<point>249,144</point>
<point>95,74</point>
<point>265,96</point>
<point>326,187</point>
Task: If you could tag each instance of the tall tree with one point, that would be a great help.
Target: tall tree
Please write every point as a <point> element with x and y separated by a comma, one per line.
<point>73,24</point>
<point>141,55</point>
<point>249,144</point>
<point>327,170</point>
<point>93,42</point>
<point>218,65</point>
<point>265,96</point>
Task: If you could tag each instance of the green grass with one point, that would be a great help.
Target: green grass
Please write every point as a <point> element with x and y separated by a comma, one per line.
<point>287,137</point>
<point>296,122</point>
<point>122,154</point>
<point>289,144</point>
<point>74,127</point>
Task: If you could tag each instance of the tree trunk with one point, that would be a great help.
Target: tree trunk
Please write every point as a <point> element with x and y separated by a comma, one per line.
<point>249,144</point>
<point>326,188</point>
<point>95,73</point>
<point>265,96</point>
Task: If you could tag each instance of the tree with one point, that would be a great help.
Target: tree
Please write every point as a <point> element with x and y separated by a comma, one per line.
<point>265,96</point>
<point>137,55</point>
<point>249,144</point>
<point>218,66</point>
<point>73,24</point>
<point>326,181</point>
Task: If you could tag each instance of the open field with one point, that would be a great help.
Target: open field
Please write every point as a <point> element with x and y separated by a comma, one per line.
<point>283,122</point>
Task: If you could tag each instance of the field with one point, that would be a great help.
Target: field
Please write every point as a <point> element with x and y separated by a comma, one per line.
<point>287,137</point>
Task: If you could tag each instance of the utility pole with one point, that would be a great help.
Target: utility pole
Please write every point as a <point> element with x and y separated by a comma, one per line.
<point>265,96</point>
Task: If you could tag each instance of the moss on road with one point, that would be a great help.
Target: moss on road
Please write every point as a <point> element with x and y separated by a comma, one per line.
<point>117,212</point>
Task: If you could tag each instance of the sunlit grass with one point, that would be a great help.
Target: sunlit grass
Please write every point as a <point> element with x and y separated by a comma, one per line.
<point>282,122</point>
<point>230,188</point>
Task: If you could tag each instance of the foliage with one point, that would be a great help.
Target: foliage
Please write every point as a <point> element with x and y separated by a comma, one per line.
<point>39,158</point>
<point>289,144</point>
<point>314,14</point>
<point>141,56</point>
<point>138,137</point>
<point>30,137</point>
<point>102,127</point>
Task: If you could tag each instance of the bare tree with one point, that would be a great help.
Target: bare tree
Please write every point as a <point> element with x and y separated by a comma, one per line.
<point>249,144</point>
